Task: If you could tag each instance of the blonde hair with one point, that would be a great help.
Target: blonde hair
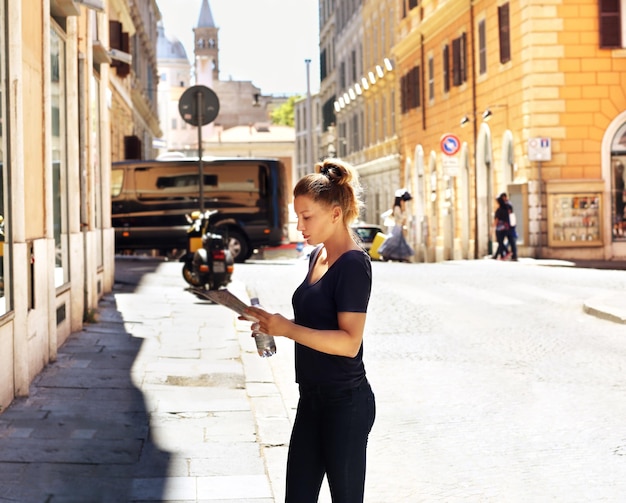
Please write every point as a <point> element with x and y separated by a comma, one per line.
<point>334,183</point>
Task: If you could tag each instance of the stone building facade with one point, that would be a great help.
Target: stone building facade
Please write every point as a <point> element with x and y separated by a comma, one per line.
<point>76,80</point>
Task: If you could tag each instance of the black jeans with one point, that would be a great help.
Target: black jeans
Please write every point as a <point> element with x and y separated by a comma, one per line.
<point>330,437</point>
<point>501,251</point>
<point>512,237</point>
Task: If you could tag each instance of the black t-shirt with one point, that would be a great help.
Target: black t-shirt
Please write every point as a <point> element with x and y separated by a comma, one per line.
<point>345,287</point>
<point>502,214</point>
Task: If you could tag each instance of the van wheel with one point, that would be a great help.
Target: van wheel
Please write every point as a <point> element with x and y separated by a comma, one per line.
<point>238,246</point>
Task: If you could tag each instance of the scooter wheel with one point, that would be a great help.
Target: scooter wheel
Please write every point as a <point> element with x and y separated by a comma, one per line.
<point>189,276</point>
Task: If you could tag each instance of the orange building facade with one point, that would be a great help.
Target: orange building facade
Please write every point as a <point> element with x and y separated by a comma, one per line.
<point>519,97</point>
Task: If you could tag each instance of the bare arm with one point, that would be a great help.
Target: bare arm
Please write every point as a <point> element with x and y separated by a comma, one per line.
<point>345,341</point>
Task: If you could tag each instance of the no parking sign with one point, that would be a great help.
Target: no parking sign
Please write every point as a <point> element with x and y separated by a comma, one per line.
<point>450,144</point>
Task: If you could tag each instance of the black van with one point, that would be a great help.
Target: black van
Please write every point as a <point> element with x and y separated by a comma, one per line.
<point>150,199</point>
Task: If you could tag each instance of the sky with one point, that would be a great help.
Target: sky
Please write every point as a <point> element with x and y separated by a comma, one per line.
<point>263,41</point>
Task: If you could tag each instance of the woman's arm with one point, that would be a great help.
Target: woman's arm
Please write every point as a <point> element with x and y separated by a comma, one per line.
<point>345,341</point>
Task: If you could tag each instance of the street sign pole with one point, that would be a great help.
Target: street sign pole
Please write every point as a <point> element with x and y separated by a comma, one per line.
<point>199,106</point>
<point>200,161</point>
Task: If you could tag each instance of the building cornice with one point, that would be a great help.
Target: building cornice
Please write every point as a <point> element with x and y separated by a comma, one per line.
<point>434,18</point>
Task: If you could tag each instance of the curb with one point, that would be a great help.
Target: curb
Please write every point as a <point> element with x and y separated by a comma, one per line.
<point>598,307</point>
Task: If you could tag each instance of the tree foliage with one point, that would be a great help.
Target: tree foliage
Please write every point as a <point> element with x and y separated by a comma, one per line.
<point>284,114</point>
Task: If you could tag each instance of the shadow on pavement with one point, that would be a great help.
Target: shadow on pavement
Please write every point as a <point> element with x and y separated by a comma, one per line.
<point>83,434</point>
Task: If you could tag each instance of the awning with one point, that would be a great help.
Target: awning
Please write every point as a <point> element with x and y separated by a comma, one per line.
<point>66,8</point>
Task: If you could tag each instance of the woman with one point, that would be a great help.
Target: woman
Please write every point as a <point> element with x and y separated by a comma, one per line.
<point>336,408</point>
<point>395,246</point>
<point>501,225</point>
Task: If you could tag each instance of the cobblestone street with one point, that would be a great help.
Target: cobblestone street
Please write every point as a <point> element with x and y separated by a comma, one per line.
<point>492,383</point>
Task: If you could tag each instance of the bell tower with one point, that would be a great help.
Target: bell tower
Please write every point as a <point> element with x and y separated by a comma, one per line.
<point>206,47</point>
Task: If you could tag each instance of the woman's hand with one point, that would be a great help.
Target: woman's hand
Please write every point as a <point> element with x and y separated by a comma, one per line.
<point>271,324</point>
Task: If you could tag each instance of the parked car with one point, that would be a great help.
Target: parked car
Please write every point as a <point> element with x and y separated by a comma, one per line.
<point>366,233</point>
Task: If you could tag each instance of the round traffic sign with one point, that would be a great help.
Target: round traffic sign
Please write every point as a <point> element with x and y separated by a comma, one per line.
<point>199,105</point>
<point>450,144</point>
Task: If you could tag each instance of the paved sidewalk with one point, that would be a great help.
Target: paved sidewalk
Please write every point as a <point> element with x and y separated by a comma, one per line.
<point>163,399</point>
<point>151,403</point>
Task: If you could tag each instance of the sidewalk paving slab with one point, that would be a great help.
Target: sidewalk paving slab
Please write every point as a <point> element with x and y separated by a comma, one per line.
<point>150,403</point>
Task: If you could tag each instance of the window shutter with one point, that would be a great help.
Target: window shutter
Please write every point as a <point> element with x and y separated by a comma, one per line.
<point>504,33</point>
<point>464,57</point>
<point>115,35</point>
<point>610,24</point>
<point>417,97</point>
<point>456,62</point>
<point>403,107</point>
<point>123,69</point>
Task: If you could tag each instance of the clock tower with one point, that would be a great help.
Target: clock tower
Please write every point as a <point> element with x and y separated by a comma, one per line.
<point>206,47</point>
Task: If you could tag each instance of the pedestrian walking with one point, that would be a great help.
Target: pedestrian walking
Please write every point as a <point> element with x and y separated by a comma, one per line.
<point>511,235</point>
<point>336,407</point>
<point>501,226</point>
<point>395,246</point>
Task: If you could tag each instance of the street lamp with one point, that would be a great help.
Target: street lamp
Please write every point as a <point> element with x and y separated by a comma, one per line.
<point>309,118</point>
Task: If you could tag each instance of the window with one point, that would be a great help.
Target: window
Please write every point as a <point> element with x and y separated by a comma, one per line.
<point>392,107</point>
<point>342,75</point>
<point>119,40</point>
<point>504,29</point>
<point>5,304</point>
<point>431,78</point>
<point>343,147</point>
<point>410,87</point>
<point>94,94</point>
<point>446,68</point>
<point>391,26</point>
<point>610,24</point>
<point>459,60</point>
<point>482,47</point>
<point>375,130</point>
<point>58,127</point>
<point>328,113</point>
<point>355,133</point>
<point>383,118</point>
<point>375,46</point>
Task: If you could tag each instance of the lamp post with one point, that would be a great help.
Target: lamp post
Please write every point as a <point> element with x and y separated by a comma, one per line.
<point>309,119</point>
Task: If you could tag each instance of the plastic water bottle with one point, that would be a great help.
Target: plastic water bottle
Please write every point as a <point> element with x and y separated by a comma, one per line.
<point>265,344</point>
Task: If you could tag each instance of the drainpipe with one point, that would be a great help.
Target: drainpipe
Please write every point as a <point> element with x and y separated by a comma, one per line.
<point>309,120</point>
<point>423,86</point>
<point>474,131</point>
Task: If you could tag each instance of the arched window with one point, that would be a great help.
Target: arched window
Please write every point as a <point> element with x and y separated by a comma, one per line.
<point>508,160</point>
